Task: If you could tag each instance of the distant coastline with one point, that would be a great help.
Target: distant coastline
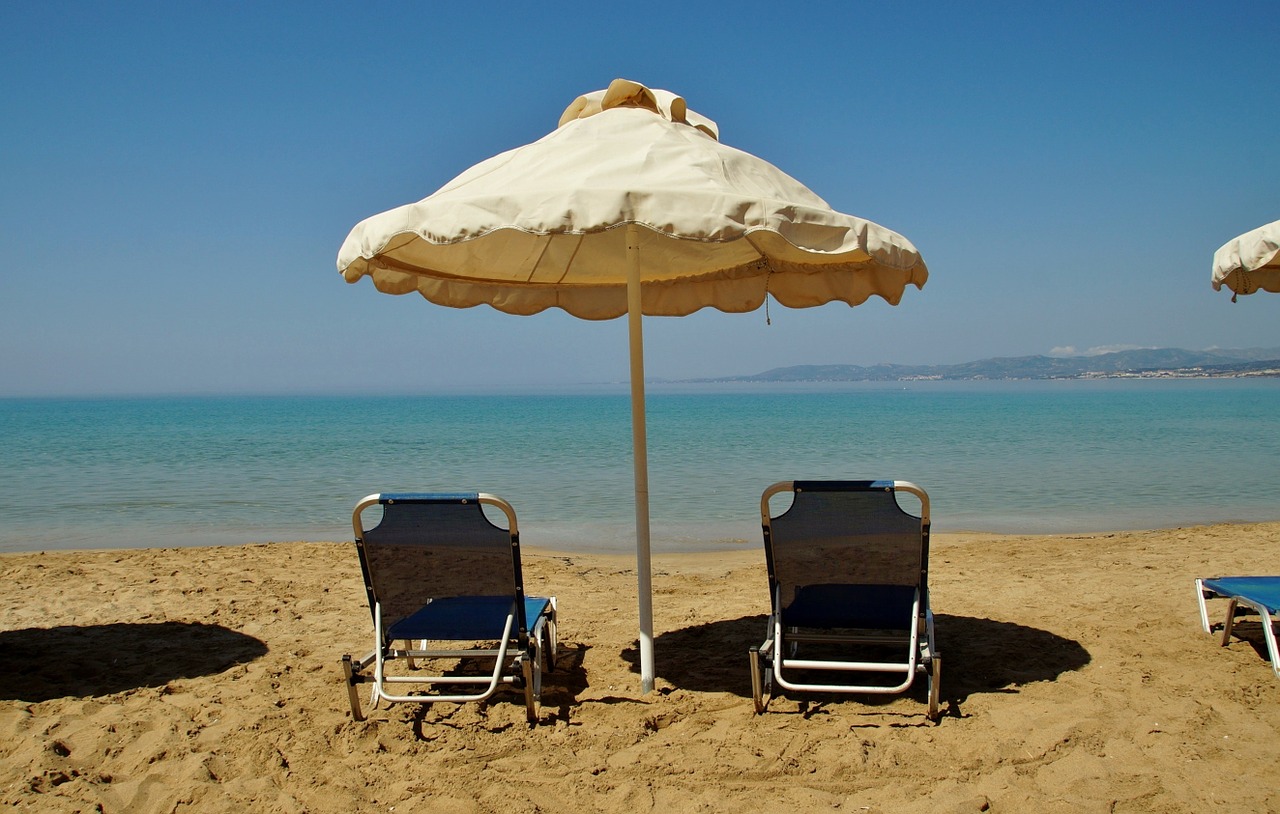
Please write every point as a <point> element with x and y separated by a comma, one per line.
<point>1147,363</point>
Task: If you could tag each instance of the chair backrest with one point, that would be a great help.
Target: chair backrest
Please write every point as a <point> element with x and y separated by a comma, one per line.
<point>841,534</point>
<point>428,547</point>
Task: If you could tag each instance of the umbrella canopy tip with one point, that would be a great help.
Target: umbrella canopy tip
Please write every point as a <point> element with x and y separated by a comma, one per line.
<point>627,93</point>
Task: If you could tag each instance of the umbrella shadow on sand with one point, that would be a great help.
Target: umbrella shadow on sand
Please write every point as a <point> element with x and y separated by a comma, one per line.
<point>979,656</point>
<point>95,660</point>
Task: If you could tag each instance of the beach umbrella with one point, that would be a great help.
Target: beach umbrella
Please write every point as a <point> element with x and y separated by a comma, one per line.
<point>1249,262</point>
<point>630,206</point>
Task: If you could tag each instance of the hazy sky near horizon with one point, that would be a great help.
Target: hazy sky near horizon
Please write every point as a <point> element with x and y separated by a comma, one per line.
<point>176,179</point>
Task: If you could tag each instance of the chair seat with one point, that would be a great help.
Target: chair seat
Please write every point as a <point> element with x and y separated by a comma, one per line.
<point>465,618</point>
<point>1263,591</point>
<point>868,607</point>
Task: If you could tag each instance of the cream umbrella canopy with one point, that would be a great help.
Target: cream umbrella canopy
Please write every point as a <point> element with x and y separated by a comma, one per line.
<point>1249,262</point>
<point>631,206</point>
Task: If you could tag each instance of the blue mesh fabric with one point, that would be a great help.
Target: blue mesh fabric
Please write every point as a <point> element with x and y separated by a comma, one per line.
<point>1263,590</point>
<point>424,551</point>
<point>846,559</point>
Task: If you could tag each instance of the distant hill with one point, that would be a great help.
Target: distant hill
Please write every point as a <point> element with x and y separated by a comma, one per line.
<point>1146,363</point>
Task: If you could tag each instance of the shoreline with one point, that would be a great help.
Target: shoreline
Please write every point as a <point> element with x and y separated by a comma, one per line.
<point>726,544</point>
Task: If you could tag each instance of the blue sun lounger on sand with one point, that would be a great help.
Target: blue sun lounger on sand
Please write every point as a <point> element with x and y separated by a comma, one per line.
<point>849,592</point>
<point>440,574</point>
<point>1259,594</point>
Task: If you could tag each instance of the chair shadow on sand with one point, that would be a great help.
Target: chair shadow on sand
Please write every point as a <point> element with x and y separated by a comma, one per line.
<point>979,656</point>
<point>95,660</point>
<point>1249,631</point>
<point>561,689</point>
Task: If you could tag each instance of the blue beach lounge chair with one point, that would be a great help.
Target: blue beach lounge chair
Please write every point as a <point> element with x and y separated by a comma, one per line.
<point>1259,594</point>
<point>450,618</point>
<point>848,581</point>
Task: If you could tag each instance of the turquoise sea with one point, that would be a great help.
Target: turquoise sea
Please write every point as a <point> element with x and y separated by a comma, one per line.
<point>1049,456</point>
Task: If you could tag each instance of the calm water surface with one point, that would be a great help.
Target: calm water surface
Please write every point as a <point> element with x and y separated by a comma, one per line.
<point>1068,456</point>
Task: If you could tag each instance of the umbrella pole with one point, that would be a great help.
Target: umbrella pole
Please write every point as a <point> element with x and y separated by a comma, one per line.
<point>639,443</point>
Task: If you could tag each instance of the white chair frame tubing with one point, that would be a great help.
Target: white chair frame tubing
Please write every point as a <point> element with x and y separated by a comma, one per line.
<point>898,486</point>
<point>483,498</point>
<point>909,668</point>
<point>380,679</point>
<point>1204,611</point>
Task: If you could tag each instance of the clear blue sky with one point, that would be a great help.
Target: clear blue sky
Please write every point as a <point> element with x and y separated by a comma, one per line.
<point>176,179</point>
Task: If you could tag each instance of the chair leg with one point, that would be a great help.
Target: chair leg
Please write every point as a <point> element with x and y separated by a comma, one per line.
<point>553,638</point>
<point>423,644</point>
<point>1230,623</point>
<point>935,686</point>
<point>1204,610</point>
<point>757,680</point>
<point>528,667</point>
<point>353,695</point>
<point>760,658</point>
<point>539,659</point>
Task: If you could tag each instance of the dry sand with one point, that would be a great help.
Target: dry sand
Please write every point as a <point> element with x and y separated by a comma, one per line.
<point>207,679</point>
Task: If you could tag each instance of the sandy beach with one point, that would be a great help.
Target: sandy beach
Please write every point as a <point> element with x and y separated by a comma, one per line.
<point>207,679</point>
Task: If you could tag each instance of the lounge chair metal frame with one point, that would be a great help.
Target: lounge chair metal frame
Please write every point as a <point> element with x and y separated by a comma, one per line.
<point>518,653</point>
<point>772,661</point>
<point>1236,590</point>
